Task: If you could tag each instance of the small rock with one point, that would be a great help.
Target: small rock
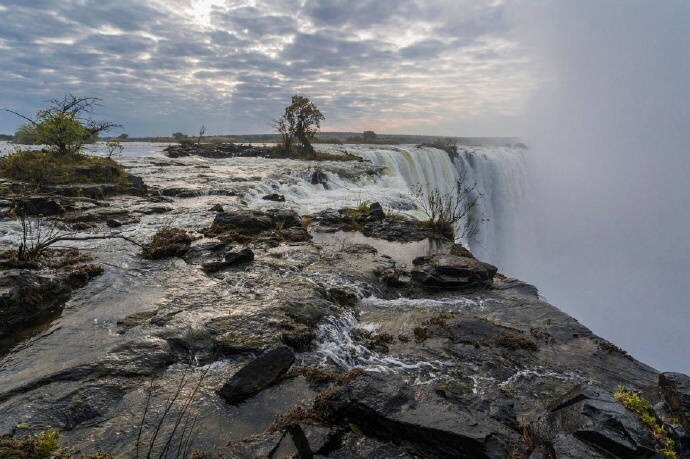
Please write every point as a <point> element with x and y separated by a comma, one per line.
<point>375,212</point>
<point>27,298</point>
<point>274,197</point>
<point>113,223</point>
<point>231,259</point>
<point>318,177</point>
<point>216,208</point>
<point>257,375</point>
<point>285,218</point>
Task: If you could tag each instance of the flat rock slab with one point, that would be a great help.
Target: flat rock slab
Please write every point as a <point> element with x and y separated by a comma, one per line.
<point>257,375</point>
<point>452,271</point>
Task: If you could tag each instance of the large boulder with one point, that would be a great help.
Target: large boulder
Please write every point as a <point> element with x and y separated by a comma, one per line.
<point>243,222</point>
<point>452,271</point>
<point>259,374</point>
<point>595,418</point>
<point>388,408</point>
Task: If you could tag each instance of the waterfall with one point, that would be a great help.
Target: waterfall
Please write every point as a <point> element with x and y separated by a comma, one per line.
<point>498,174</point>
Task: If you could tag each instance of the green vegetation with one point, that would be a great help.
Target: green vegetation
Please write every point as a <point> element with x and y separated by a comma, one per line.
<point>63,126</point>
<point>634,402</point>
<point>64,129</point>
<point>6,137</point>
<point>298,126</point>
<point>25,136</point>
<point>45,168</point>
<point>45,446</point>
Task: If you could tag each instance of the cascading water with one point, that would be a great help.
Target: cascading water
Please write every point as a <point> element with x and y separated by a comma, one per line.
<point>498,175</point>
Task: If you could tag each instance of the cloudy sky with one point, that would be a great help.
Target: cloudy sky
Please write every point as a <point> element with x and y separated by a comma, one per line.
<point>399,66</point>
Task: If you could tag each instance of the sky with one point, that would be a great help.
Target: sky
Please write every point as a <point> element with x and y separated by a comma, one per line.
<point>395,66</point>
<point>598,88</point>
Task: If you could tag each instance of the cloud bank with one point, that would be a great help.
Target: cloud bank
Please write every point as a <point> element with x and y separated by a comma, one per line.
<point>160,66</point>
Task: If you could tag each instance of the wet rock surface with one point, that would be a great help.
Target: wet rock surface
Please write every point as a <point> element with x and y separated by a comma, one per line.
<point>260,373</point>
<point>595,418</point>
<point>36,295</point>
<point>317,349</point>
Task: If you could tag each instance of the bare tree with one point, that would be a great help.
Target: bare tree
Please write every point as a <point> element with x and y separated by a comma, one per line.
<point>202,131</point>
<point>40,233</point>
<point>445,209</point>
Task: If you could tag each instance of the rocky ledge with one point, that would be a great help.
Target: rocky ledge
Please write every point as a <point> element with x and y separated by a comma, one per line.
<point>34,292</point>
<point>278,346</point>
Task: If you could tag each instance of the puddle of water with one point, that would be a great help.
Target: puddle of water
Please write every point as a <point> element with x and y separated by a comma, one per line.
<point>401,252</point>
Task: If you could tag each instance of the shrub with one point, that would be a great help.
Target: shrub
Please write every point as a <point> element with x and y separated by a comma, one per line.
<point>445,209</point>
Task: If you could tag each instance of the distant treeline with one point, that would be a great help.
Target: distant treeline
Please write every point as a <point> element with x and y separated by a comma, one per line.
<point>6,137</point>
<point>367,137</point>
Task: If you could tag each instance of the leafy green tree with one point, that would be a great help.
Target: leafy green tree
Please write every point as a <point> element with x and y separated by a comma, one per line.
<point>123,136</point>
<point>64,125</point>
<point>300,122</point>
<point>25,136</point>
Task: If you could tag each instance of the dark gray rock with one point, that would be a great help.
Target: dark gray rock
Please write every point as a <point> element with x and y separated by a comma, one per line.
<point>594,417</point>
<point>286,218</point>
<point>113,223</point>
<point>244,222</point>
<point>232,258</point>
<point>375,212</point>
<point>239,256</point>
<point>137,185</point>
<point>359,446</point>
<point>47,206</point>
<point>568,447</point>
<point>389,409</point>
<point>217,208</point>
<point>676,390</point>
<point>27,299</point>
<point>262,372</point>
<point>319,177</point>
<point>451,271</point>
<point>274,197</point>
